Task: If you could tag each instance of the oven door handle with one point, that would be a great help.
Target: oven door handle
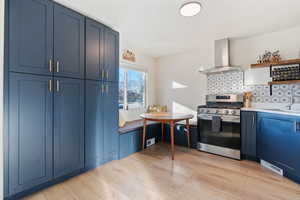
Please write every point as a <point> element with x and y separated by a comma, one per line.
<point>209,118</point>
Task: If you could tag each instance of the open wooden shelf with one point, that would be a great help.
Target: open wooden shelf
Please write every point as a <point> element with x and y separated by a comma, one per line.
<point>283,82</point>
<point>283,62</point>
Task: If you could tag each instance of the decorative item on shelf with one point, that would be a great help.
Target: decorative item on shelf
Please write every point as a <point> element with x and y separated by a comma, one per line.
<point>156,109</point>
<point>259,60</point>
<point>248,99</point>
<point>128,55</point>
<point>266,57</point>
<point>276,57</point>
<point>269,57</point>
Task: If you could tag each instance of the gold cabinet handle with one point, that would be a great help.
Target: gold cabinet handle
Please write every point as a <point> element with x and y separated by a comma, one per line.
<point>50,85</point>
<point>57,86</point>
<point>102,73</point>
<point>50,65</point>
<point>102,88</point>
<point>107,88</point>
<point>57,66</point>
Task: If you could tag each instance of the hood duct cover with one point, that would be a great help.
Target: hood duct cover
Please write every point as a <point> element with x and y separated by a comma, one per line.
<point>222,58</point>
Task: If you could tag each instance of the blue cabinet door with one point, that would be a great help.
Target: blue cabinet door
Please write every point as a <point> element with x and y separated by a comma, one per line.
<point>278,140</point>
<point>94,137</point>
<point>30,131</point>
<point>30,36</point>
<point>111,54</point>
<point>111,119</point>
<point>68,43</point>
<point>248,134</point>
<point>130,143</point>
<point>126,145</point>
<point>68,126</point>
<point>94,50</point>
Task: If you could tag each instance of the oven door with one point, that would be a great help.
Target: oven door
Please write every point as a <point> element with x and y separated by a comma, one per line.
<point>229,135</point>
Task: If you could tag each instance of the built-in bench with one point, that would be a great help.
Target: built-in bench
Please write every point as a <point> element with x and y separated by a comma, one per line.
<point>131,136</point>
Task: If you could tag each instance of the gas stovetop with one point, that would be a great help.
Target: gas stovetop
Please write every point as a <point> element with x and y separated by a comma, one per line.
<point>224,105</point>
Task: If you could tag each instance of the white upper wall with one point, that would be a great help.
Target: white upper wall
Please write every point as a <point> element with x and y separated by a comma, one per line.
<point>245,51</point>
<point>182,68</point>
<point>145,63</point>
<point>179,85</point>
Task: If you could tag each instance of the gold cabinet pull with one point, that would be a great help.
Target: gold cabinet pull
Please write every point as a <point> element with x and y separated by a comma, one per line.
<point>107,88</point>
<point>50,85</point>
<point>102,86</point>
<point>57,86</point>
<point>50,65</point>
<point>57,66</point>
<point>107,75</point>
<point>102,73</point>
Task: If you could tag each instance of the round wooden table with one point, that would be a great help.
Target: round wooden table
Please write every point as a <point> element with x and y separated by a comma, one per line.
<point>170,119</point>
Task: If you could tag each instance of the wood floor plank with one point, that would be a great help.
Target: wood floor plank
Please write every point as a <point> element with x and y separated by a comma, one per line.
<point>151,174</point>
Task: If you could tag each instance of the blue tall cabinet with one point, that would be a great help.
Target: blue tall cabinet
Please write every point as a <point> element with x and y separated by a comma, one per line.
<point>68,126</point>
<point>62,94</point>
<point>102,68</point>
<point>30,131</point>
<point>30,41</point>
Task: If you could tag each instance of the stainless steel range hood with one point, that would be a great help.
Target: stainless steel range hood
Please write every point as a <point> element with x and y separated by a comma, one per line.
<point>222,58</point>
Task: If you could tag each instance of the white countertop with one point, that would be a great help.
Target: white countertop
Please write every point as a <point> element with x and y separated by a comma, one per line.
<point>274,111</point>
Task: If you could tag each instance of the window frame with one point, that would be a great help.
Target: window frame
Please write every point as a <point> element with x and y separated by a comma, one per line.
<point>129,66</point>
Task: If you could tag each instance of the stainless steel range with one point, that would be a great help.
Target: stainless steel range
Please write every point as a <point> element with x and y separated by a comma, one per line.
<point>219,125</point>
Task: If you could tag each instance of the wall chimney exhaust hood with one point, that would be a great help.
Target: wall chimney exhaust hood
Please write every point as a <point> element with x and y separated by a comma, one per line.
<point>222,59</point>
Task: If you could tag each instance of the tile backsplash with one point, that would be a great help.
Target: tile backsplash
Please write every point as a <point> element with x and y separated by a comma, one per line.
<point>233,82</point>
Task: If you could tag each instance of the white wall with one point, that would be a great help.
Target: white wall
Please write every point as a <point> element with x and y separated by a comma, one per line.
<point>146,64</point>
<point>245,51</point>
<point>179,85</point>
<point>181,68</point>
<point>1,93</point>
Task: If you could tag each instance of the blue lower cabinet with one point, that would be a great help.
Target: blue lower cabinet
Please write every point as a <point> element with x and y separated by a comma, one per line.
<point>248,135</point>
<point>94,116</point>
<point>130,143</point>
<point>30,131</point>
<point>111,121</point>
<point>68,126</point>
<point>180,137</point>
<point>278,141</point>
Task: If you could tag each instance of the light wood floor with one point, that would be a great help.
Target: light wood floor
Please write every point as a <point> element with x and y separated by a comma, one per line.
<point>193,175</point>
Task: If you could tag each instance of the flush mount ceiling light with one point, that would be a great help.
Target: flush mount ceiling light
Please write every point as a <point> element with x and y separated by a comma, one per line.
<point>190,9</point>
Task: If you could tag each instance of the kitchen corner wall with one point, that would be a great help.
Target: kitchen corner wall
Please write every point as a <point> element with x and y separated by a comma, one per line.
<point>144,63</point>
<point>182,88</point>
<point>178,83</point>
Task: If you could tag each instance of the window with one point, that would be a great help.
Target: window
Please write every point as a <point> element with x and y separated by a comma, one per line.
<point>132,89</point>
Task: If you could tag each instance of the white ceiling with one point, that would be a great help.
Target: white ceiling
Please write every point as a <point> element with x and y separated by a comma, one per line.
<point>155,28</point>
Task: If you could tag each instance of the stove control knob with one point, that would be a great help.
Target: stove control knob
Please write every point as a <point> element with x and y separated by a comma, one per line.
<point>233,112</point>
<point>217,111</point>
<point>226,112</point>
<point>207,111</point>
